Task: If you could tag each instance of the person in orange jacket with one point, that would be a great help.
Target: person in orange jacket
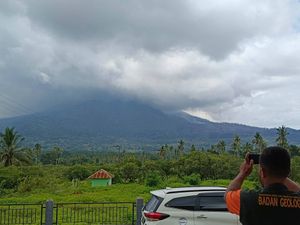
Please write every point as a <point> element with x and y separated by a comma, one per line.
<point>277,203</point>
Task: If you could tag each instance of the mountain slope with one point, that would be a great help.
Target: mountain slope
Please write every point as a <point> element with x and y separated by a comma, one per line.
<point>102,124</point>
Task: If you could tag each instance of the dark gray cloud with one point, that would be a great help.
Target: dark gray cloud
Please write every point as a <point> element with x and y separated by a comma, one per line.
<point>225,60</point>
<point>214,28</point>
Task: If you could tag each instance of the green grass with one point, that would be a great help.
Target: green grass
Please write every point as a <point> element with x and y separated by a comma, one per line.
<point>37,184</point>
<point>85,193</point>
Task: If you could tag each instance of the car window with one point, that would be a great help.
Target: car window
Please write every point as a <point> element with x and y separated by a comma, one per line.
<point>153,203</point>
<point>211,202</point>
<point>187,203</point>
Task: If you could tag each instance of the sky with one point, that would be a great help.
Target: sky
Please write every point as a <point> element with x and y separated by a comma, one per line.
<point>224,60</point>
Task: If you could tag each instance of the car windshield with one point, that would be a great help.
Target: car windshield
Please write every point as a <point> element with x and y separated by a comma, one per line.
<point>153,203</point>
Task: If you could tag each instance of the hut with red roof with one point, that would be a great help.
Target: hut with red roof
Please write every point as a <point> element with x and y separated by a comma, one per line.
<point>101,178</point>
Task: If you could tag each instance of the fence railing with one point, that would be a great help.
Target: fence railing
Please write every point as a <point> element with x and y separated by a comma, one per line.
<point>103,213</point>
<point>12,214</point>
<point>100,213</point>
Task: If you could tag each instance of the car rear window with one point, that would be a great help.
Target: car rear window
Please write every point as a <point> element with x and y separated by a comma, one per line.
<point>153,203</point>
<point>187,203</point>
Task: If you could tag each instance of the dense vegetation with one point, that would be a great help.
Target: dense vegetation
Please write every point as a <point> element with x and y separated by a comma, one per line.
<point>34,175</point>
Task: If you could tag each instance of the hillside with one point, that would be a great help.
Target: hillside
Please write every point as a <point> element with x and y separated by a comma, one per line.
<point>102,124</point>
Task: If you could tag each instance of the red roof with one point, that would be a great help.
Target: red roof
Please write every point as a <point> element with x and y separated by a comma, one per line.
<point>101,174</point>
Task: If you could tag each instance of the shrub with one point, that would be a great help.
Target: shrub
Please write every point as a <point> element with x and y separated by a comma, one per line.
<point>25,185</point>
<point>173,181</point>
<point>77,172</point>
<point>153,179</point>
<point>192,179</point>
<point>130,172</point>
<point>295,173</point>
<point>8,182</point>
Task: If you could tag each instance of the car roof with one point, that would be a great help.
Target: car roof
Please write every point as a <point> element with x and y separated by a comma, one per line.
<point>163,192</point>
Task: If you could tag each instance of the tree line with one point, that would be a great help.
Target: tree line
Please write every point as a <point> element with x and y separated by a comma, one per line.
<point>24,168</point>
<point>13,153</point>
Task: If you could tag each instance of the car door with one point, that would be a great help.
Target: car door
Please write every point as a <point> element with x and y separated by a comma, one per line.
<point>211,210</point>
<point>180,210</point>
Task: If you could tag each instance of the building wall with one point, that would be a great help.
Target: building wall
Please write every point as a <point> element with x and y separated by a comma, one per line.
<point>101,182</point>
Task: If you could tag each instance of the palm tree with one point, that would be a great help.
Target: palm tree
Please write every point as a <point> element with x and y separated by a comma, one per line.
<point>171,152</point>
<point>168,151</point>
<point>57,151</point>
<point>236,145</point>
<point>37,152</point>
<point>258,142</point>
<point>10,150</point>
<point>221,146</point>
<point>282,137</point>
<point>162,152</point>
<point>247,147</point>
<point>180,147</point>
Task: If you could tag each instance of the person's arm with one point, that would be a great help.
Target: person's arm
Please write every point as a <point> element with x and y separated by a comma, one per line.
<point>291,185</point>
<point>233,193</point>
<point>245,170</point>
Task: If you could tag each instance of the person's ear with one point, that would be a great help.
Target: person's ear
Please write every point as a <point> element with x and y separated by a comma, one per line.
<point>262,172</point>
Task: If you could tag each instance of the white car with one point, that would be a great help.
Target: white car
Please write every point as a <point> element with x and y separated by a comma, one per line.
<point>188,206</point>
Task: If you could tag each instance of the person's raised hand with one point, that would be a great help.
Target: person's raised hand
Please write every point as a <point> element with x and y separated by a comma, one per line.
<point>246,167</point>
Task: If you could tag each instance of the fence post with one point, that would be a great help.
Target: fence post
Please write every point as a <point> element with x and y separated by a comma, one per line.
<point>49,213</point>
<point>139,207</point>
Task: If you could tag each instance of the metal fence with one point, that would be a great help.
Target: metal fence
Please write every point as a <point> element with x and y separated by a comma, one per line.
<point>13,214</point>
<point>100,213</point>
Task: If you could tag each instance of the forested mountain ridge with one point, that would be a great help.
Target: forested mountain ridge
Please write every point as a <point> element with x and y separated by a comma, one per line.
<point>101,124</point>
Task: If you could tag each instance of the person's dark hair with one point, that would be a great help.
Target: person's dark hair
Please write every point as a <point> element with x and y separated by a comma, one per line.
<point>276,161</point>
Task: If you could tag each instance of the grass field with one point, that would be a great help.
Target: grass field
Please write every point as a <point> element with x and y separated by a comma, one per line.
<point>65,192</point>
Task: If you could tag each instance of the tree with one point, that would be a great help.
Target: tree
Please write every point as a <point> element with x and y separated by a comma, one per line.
<point>294,150</point>
<point>37,150</point>
<point>221,146</point>
<point>130,172</point>
<point>163,152</point>
<point>10,150</point>
<point>171,152</point>
<point>57,152</point>
<point>153,179</point>
<point>247,147</point>
<point>213,149</point>
<point>236,145</point>
<point>180,147</point>
<point>281,139</point>
<point>193,148</point>
<point>50,157</point>
<point>77,172</point>
<point>258,142</point>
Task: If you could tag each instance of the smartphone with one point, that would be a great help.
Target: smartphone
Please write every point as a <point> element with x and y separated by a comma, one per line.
<point>255,157</point>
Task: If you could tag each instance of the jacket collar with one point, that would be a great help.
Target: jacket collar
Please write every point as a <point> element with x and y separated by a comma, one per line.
<point>276,187</point>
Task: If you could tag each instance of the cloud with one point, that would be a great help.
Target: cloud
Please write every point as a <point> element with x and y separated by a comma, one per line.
<point>233,60</point>
<point>214,27</point>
